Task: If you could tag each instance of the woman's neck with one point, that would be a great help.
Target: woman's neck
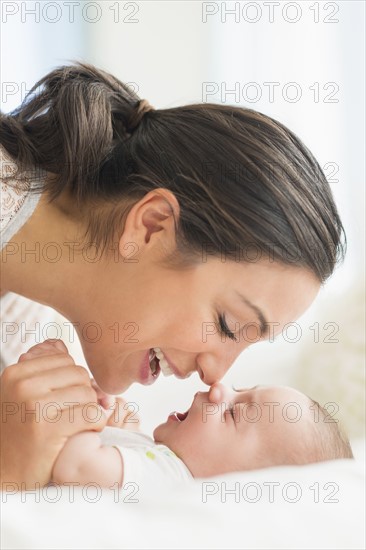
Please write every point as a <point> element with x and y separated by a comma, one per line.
<point>44,260</point>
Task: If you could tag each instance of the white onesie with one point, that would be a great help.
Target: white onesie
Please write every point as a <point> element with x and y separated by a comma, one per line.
<point>145,462</point>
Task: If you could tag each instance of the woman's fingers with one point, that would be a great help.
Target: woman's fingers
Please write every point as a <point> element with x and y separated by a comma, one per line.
<point>44,382</point>
<point>56,344</point>
<point>45,398</point>
<point>48,347</point>
<point>65,397</point>
<point>74,417</point>
<point>38,364</point>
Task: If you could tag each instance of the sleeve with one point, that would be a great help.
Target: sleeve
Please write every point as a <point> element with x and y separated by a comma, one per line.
<point>23,324</point>
<point>153,467</point>
<point>16,201</point>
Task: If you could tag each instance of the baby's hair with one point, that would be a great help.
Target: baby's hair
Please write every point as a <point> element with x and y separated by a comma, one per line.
<point>326,441</point>
<point>330,440</point>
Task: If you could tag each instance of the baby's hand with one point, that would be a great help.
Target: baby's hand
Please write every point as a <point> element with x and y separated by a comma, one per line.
<point>122,414</point>
<point>104,399</point>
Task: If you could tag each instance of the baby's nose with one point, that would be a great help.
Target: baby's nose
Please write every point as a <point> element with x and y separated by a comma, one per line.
<point>218,393</point>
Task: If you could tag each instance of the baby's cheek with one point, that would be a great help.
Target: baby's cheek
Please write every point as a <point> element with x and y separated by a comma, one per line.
<point>192,441</point>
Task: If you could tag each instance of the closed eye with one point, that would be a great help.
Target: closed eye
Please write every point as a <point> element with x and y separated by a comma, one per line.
<point>224,329</point>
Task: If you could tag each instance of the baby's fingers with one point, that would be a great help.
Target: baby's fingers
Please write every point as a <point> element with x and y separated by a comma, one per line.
<point>104,399</point>
<point>124,415</point>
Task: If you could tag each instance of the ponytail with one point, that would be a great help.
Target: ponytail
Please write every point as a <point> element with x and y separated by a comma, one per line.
<point>68,124</point>
<point>241,178</point>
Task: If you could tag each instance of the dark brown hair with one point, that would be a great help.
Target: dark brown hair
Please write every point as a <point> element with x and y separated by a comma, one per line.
<point>241,178</point>
<point>330,439</point>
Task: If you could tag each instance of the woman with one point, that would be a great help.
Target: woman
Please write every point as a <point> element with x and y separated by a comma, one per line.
<point>197,230</point>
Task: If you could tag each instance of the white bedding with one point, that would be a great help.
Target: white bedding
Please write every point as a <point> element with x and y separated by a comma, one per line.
<point>180,518</point>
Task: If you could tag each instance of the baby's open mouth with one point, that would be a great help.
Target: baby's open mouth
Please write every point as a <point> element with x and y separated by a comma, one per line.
<point>158,362</point>
<point>180,416</point>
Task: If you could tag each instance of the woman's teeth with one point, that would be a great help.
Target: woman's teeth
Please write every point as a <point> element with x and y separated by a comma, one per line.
<point>154,364</point>
<point>163,363</point>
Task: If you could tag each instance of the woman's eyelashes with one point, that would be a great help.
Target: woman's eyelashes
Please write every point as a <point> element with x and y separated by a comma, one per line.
<point>224,329</point>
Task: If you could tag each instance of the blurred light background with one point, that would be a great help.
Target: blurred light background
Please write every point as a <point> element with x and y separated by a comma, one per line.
<point>299,62</point>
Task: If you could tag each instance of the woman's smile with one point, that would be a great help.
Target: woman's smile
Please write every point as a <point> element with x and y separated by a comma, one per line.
<point>176,340</point>
<point>154,362</point>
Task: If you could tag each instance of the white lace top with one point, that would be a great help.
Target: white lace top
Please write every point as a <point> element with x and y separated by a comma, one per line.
<point>23,322</point>
<point>17,203</point>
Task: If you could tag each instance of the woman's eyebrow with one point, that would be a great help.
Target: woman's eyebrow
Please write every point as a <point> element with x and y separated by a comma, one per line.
<point>264,326</point>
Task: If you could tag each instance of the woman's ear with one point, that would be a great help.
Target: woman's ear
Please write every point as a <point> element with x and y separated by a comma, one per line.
<point>155,216</point>
<point>152,216</point>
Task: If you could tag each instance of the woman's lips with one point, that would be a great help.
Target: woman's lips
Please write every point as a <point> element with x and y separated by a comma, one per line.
<point>146,376</point>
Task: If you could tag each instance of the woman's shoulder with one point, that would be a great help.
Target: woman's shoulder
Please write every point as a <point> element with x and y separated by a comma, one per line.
<point>14,190</point>
<point>17,202</point>
<point>8,166</point>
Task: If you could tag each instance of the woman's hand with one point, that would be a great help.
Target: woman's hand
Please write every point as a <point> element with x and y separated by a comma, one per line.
<point>122,414</point>
<point>44,401</point>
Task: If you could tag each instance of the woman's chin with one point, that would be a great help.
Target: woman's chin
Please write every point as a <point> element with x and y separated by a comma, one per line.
<point>112,387</point>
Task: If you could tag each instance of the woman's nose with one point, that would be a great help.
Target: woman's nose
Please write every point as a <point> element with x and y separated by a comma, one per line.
<point>212,367</point>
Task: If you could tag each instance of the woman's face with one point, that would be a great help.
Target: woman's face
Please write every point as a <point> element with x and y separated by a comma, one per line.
<point>138,305</point>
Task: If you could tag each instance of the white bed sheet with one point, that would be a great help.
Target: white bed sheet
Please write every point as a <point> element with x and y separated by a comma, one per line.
<point>180,518</point>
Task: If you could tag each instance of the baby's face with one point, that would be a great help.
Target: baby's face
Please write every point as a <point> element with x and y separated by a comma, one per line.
<point>227,430</point>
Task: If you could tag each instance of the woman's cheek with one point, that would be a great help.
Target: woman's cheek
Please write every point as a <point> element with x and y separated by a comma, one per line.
<point>251,333</point>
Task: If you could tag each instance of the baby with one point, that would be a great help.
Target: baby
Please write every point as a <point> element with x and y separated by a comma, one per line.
<point>223,431</point>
